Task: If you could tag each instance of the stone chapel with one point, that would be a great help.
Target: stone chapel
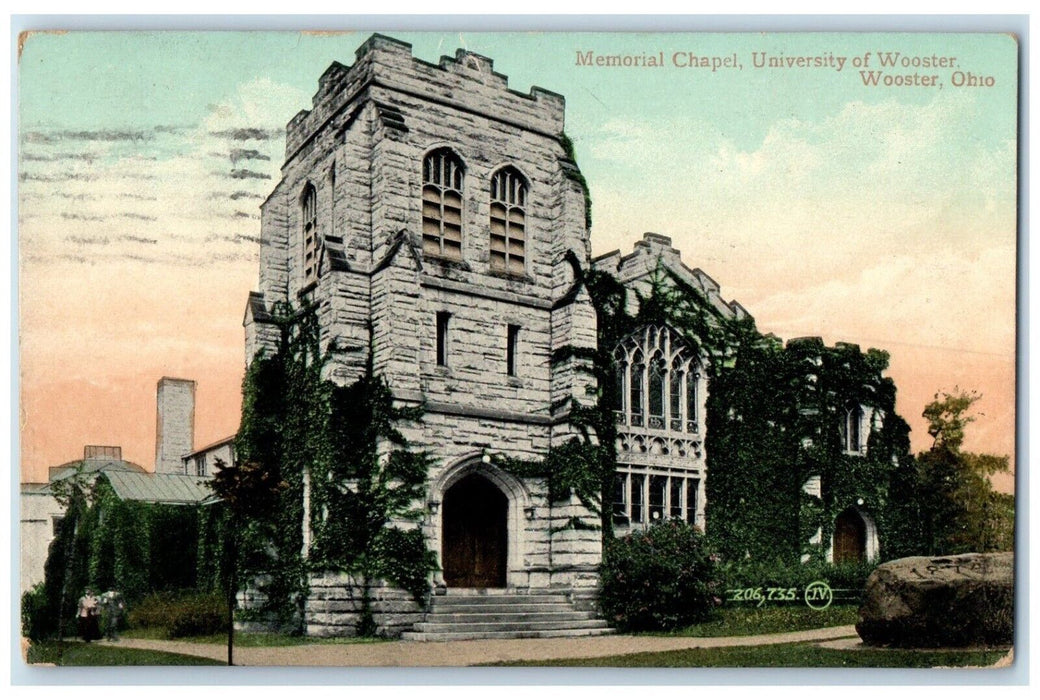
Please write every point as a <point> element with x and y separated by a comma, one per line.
<point>434,214</point>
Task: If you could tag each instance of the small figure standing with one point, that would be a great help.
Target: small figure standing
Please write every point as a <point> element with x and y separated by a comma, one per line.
<point>87,617</point>
<point>112,608</point>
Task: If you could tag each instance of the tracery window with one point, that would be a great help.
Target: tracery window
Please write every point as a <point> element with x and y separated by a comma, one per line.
<point>443,172</point>
<point>309,217</point>
<point>508,221</point>
<point>659,394</point>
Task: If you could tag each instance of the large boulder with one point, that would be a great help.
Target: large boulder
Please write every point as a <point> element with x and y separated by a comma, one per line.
<point>962,600</point>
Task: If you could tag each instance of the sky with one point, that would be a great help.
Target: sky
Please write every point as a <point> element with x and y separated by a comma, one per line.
<point>883,215</point>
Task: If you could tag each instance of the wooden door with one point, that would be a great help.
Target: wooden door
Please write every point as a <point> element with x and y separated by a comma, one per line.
<point>850,538</point>
<point>474,534</point>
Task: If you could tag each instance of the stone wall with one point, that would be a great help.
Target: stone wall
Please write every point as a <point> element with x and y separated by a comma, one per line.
<point>334,607</point>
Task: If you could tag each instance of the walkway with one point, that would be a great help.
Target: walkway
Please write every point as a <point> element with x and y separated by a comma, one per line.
<point>468,653</point>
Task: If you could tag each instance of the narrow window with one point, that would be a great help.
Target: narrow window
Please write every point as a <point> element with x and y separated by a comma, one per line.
<point>200,465</point>
<point>675,404</point>
<point>442,337</point>
<point>442,204</point>
<point>508,221</point>
<point>635,384</point>
<point>691,401</point>
<point>56,522</point>
<point>852,429</point>
<point>512,338</point>
<point>309,216</point>
<point>675,506</point>
<point>656,392</point>
<point>637,497</point>
<point>691,500</point>
<point>658,493</point>
<point>620,498</point>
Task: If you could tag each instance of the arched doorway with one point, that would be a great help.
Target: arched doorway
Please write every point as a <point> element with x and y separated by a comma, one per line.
<point>850,537</point>
<point>474,541</point>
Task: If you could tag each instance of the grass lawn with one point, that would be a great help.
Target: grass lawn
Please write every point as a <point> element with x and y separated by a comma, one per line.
<point>83,654</point>
<point>740,621</point>
<point>248,639</point>
<point>783,656</point>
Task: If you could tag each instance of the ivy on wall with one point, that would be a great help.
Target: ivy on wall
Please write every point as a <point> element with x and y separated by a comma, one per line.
<point>341,444</point>
<point>774,419</point>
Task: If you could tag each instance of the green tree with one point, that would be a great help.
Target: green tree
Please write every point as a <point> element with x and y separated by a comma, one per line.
<point>960,510</point>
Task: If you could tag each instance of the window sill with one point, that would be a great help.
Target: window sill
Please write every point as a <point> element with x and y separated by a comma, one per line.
<point>446,261</point>
<point>512,276</point>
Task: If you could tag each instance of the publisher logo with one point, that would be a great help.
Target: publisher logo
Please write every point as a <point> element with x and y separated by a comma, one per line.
<point>818,595</point>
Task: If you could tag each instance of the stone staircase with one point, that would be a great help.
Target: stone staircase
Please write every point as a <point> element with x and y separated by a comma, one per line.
<point>503,614</point>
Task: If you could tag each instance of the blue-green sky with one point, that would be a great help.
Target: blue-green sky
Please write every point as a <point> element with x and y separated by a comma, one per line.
<point>878,215</point>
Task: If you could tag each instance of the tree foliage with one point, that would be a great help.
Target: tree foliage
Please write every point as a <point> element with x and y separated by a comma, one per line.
<point>960,510</point>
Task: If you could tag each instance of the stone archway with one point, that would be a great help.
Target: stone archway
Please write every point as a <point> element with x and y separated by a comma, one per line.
<point>474,546</point>
<point>855,537</point>
<point>518,503</point>
<point>850,537</point>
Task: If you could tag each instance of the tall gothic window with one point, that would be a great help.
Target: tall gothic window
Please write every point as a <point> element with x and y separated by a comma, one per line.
<point>661,393</point>
<point>508,221</point>
<point>655,394</point>
<point>442,204</point>
<point>309,216</point>
<point>635,385</point>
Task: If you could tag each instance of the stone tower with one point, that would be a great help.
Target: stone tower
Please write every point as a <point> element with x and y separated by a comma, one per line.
<point>435,216</point>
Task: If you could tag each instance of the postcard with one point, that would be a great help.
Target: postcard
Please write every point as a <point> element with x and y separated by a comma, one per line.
<point>552,349</point>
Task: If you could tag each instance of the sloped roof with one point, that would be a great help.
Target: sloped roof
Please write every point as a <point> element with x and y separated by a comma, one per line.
<point>92,466</point>
<point>158,488</point>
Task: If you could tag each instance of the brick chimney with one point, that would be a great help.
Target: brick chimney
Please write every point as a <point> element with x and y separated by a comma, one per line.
<point>174,424</point>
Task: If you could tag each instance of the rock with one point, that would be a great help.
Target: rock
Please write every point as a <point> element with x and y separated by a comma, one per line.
<point>954,601</point>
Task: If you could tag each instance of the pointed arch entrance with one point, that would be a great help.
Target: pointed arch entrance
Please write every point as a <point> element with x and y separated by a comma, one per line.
<point>474,526</point>
<point>855,537</point>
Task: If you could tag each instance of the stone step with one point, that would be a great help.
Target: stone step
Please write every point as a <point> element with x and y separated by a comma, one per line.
<point>504,626</point>
<point>490,608</point>
<point>520,634</point>
<point>510,616</point>
<point>502,599</point>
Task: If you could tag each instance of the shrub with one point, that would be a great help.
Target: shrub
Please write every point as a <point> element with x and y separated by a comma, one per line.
<point>183,615</point>
<point>38,618</point>
<point>662,578</point>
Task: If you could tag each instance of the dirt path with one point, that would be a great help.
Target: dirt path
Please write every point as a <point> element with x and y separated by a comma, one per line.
<point>423,654</point>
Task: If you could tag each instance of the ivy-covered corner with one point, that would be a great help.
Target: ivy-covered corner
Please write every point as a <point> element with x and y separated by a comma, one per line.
<point>338,540</point>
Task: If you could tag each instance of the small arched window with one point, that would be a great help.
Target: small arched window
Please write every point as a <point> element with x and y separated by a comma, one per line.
<point>442,204</point>
<point>853,432</point>
<point>508,221</point>
<point>309,217</point>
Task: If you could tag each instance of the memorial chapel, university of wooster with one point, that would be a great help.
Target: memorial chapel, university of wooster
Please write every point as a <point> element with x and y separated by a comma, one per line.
<point>433,215</point>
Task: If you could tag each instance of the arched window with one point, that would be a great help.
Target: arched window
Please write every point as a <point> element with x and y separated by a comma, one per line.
<point>508,221</point>
<point>656,392</point>
<point>635,401</point>
<point>621,370</point>
<point>309,217</point>
<point>657,381</point>
<point>442,204</point>
<point>676,395</point>
<point>692,402</point>
<point>853,435</point>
